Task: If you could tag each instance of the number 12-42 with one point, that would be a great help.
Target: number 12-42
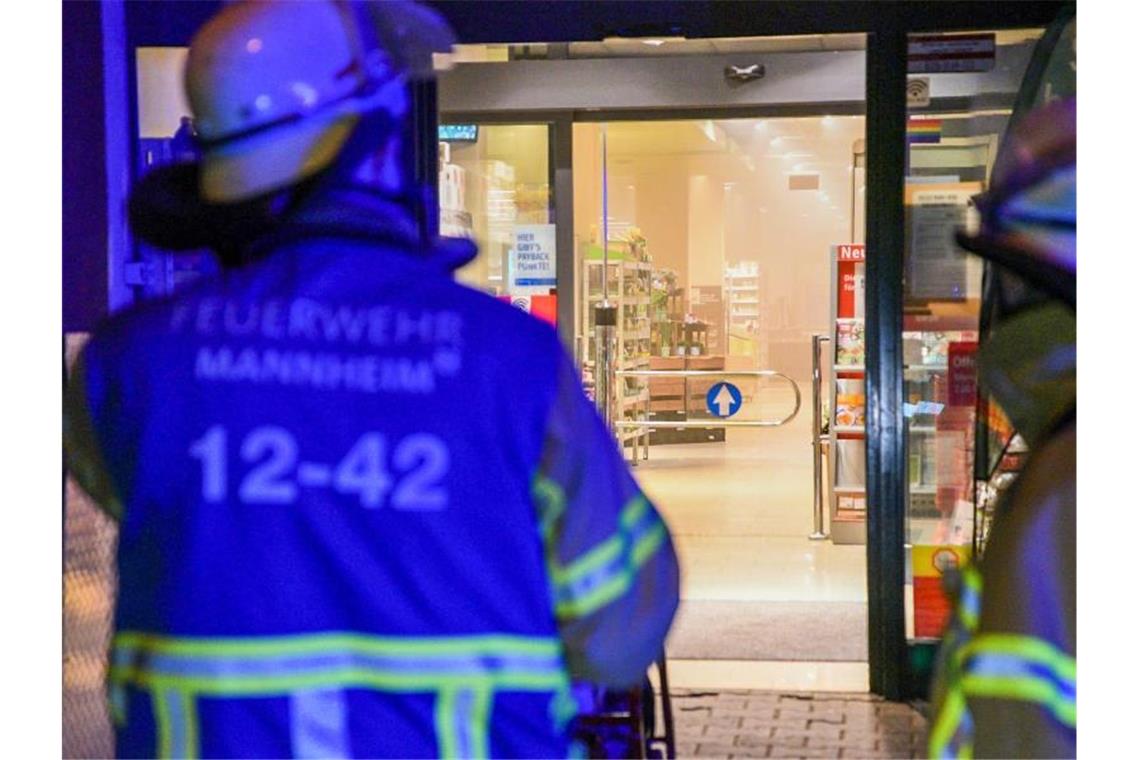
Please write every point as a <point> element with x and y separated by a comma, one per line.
<point>412,480</point>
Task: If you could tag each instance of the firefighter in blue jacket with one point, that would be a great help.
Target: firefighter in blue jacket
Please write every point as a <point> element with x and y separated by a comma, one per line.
<point>364,511</point>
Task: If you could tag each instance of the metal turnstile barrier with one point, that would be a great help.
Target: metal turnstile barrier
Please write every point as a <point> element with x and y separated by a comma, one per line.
<point>644,426</point>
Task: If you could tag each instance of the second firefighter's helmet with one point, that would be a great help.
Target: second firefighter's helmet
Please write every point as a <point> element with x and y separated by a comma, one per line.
<point>1028,218</point>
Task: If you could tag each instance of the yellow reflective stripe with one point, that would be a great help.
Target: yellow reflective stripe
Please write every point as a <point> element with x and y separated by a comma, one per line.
<point>345,678</point>
<point>551,502</point>
<point>618,584</point>
<point>599,556</point>
<point>972,578</point>
<point>445,723</point>
<point>317,643</point>
<point>461,721</point>
<point>190,723</point>
<point>946,724</point>
<point>1026,689</point>
<point>595,600</point>
<point>609,549</point>
<point>479,722</point>
<point>633,511</point>
<point>970,602</point>
<point>1028,648</point>
<point>176,722</point>
<point>163,724</point>
<point>648,544</point>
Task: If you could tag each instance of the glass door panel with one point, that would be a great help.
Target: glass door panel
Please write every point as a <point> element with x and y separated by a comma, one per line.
<point>961,94</point>
<point>495,188</point>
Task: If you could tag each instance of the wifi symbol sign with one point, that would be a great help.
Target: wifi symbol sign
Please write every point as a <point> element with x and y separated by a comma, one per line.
<point>918,92</point>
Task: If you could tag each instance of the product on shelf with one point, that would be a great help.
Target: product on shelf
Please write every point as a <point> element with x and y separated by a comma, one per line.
<point>849,342</point>
<point>626,282</point>
<point>850,403</point>
<point>850,463</point>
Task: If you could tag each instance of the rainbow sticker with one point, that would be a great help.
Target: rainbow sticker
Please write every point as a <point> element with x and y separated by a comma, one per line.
<point>923,130</point>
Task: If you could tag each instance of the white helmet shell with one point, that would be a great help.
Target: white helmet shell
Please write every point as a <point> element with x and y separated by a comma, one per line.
<point>276,88</point>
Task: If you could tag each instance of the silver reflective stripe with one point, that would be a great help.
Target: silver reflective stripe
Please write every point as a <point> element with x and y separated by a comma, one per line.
<point>226,666</point>
<point>462,722</point>
<point>314,670</point>
<point>464,706</point>
<point>624,563</point>
<point>175,721</point>
<point>319,724</point>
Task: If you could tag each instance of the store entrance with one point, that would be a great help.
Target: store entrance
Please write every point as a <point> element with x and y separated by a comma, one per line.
<point>720,261</point>
<point>728,248</point>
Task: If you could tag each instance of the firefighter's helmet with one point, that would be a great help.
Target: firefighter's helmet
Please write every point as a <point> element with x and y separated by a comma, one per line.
<point>277,87</point>
<point>1028,218</point>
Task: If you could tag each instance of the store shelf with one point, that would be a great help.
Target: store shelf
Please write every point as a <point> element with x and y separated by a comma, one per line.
<point>623,298</point>
<point>850,430</point>
<point>854,490</point>
<point>850,515</point>
<point>627,284</point>
<point>925,429</point>
<point>924,490</point>
<point>850,368</point>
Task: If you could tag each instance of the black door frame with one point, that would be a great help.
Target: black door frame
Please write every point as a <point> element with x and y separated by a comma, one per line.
<point>172,22</point>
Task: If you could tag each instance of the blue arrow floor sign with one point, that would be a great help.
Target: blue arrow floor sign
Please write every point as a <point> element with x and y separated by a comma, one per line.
<point>723,400</point>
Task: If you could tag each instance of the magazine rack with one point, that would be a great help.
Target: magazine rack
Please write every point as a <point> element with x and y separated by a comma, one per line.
<point>847,432</point>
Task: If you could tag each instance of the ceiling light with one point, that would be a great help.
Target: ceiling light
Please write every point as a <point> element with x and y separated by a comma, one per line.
<point>651,41</point>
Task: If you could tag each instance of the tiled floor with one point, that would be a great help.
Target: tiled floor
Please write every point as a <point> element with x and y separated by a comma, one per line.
<point>740,515</point>
<point>731,724</point>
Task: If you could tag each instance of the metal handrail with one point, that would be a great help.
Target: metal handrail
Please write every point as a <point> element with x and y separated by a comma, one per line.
<point>716,422</point>
<point>817,534</point>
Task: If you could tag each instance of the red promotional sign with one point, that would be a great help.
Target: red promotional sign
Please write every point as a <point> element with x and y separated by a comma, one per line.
<point>963,374</point>
<point>847,257</point>
<point>544,307</point>
<point>932,608</point>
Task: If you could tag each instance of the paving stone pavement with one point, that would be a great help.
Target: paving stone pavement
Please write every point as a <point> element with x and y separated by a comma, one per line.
<point>748,724</point>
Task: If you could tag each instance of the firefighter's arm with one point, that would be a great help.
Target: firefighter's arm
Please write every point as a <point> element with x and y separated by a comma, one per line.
<point>1020,666</point>
<point>611,561</point>
<point>82,451</point>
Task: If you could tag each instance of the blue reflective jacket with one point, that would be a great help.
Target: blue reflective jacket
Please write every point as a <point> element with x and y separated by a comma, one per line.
<point>364,511</point>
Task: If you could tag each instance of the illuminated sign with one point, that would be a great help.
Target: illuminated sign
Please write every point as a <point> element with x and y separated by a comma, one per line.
<point>459,132</point>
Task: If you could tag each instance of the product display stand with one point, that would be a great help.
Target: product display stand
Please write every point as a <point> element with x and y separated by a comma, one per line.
<point>742,313</point>
<point>629,291</point>
<point>847,428</point>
